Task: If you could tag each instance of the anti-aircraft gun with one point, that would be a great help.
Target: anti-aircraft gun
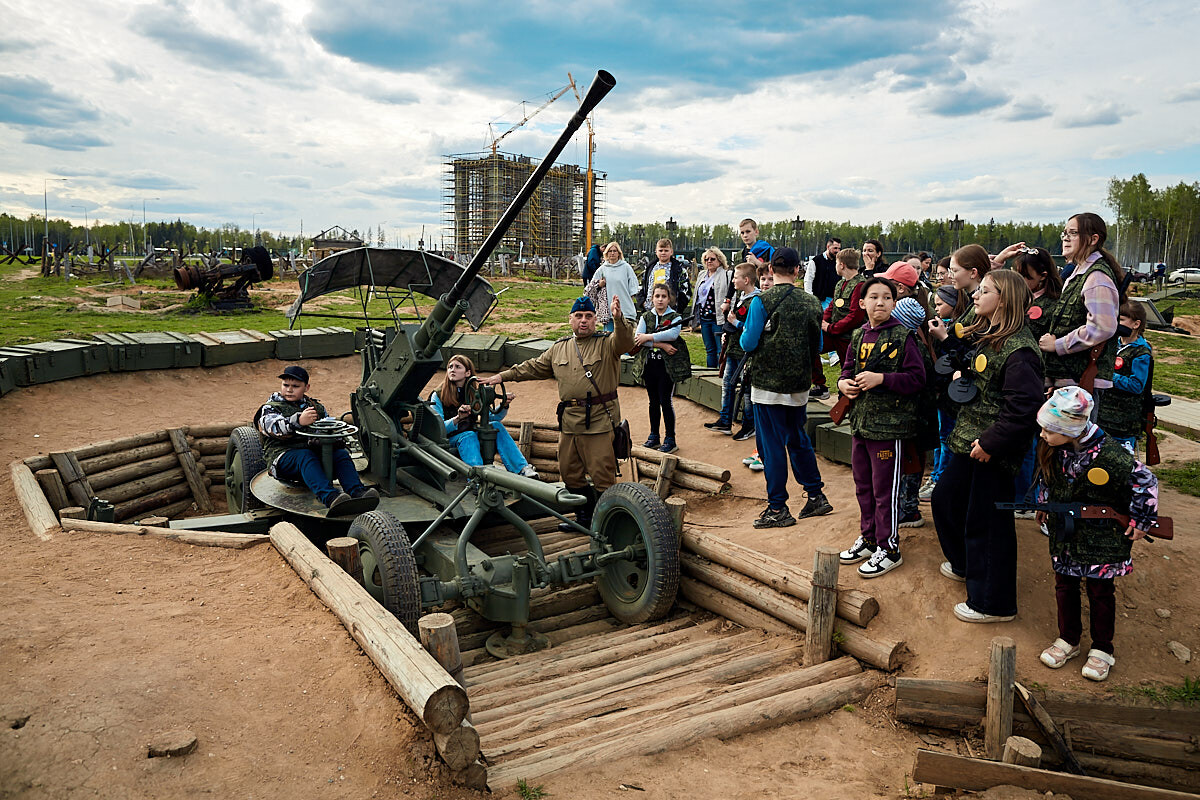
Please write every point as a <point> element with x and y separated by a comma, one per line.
<point>425,487</point>
<point>210,279</point>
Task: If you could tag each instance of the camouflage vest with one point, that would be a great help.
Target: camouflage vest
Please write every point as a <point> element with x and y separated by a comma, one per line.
<point>781,361</point>
<point>841,298</point>
<point>1070,313</point>
<point>1121,412</point>
<point>985,368</point>
<point>881,414</point>
<point>967,318</point>
<point>1039,314</point>
<point>272,447</point>
<point>1106,482</point>
<point>735,353</point>
<point>679,364</point>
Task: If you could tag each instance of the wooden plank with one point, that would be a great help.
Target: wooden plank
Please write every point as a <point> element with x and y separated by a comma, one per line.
<point>1002,670</point>
<point>525,444</point>
<point>194,479</point>
<point>977,775</point>
<point>52,487</point>
<point>666,470</point>
<point>822,607</point>
<point>38,512</point>
<point>73,478</point>
<point>236,541</point>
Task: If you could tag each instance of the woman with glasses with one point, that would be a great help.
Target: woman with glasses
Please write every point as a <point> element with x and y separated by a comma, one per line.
<point>1080,344</point>
<point>712,301</point>
<point>614,278</point>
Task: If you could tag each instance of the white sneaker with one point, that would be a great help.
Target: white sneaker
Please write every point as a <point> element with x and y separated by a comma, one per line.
<point>858,551</point>
<point>528,471</point>
<point>968,614</point>
<point>949,572</point>
<point>925,493</point>
<point>1024,515</point>
<point>879,563</point>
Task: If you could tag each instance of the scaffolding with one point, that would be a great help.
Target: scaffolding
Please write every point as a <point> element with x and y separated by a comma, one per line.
<point>478,187</point>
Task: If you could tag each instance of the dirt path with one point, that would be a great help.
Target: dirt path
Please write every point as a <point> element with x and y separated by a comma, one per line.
<point>106,641</point>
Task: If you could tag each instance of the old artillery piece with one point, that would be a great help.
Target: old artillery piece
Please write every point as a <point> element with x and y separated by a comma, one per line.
<point>209,280</point>
<point>424,486</point>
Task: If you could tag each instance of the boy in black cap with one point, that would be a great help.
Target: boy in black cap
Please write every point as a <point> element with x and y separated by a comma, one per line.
<point>291,457</point>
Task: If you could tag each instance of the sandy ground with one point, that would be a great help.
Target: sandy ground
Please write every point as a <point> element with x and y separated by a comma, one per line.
<point>108,641</point>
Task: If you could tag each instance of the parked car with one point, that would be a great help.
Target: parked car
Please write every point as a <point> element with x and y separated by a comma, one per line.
<point>1181,277</point>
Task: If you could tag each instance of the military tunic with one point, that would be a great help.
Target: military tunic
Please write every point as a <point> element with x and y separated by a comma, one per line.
<point>585,444</point>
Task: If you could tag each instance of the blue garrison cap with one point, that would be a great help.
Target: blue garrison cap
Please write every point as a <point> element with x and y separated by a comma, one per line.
<point>583,304</point>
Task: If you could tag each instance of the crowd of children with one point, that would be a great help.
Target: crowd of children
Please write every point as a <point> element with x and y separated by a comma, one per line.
<point>1026,383</point>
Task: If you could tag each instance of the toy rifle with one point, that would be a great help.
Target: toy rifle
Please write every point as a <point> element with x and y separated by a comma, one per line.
<point>842,407</point>
<point>1164,528</point>
<point>665,325</point>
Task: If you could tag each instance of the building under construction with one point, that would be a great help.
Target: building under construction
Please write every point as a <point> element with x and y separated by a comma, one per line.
<point>478,187</point>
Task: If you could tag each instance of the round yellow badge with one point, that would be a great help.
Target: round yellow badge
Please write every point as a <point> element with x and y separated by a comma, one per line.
<point>1097,476</point>
<point>839,302</point>
<point>958,330</point>
<point>980,362</point>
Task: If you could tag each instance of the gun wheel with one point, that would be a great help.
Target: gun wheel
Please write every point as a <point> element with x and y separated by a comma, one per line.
<point>243,460</point>
<point>389,566</point>
<point>643,587</point>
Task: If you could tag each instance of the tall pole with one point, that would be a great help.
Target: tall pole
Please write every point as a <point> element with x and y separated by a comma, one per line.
<point>46,209</point>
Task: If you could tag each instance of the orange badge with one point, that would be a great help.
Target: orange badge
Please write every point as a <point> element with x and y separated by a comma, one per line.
<point>1097,476</point>
<point>1035,312</point>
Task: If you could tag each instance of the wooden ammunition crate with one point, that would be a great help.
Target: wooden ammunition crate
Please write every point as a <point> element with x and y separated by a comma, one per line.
<point>485,350</point>
<point>525,349</point>
<point>833,442</point>
<point>58,360</point>
<point>313,343</point>
<point>235,347</point>
<point>150,350</point>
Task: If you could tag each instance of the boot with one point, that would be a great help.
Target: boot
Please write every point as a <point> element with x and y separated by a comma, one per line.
<point>583,513</point>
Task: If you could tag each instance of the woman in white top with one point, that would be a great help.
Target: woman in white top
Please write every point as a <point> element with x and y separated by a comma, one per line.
<point>614,277</point>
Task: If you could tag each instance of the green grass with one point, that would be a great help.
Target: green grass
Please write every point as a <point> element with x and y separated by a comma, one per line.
<point>1176,364</point>
<point>1187,693</point>
<point>528,792</point>
<point>1183,477</point>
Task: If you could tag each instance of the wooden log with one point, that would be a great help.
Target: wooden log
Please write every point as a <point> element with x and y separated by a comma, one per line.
<point>725,723</point>
<point>343,551</point>
<point>881,653</point>
<point>73,478</point>
<point>439,637</point>
<point>1022,751</point>
<point>525,442</point>
<point>1046,723</point>
<point>822,607</point>
<point>148,485</point>
<point>106,461</point>
<point>1158,775</point>
<point>546,625</point>
<point>666,470</point>
<point>209,447</point>
<point>677,507</point>
<point>539,434</point>
<point>131,472</point>
<point>416,676</point>
<point>221,429</point>
<point>117,445</point>
<point>685,480</point>
<point>571,686</point>
<point>235,541</point>
<point>690,465</point>
<point>1002,670</point>
<point>854,605</point>
<point>170,511</point>
<point>154,521</point>
<point>473,776</point>
<point>548,604</point>
<point>190,471</point>
<point>72,512</point>
<point>711,689</point>
<point>216,461</point>
<point>730,608</point>
<point>38,462</point>
<point>52,488</point>
<point>976,775</point>
<point>146,503</point>
<point>600,627</point>
<point>38,512</point>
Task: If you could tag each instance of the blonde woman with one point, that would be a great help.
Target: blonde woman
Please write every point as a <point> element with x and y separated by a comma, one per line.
<point>712,301</point>
<point>615,278</point>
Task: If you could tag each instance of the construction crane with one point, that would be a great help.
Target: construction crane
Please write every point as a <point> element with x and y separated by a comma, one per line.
<point>588,202</point>
<point>531,114</point>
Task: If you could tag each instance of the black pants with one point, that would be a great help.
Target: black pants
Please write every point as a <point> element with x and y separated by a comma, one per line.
<point>978,541</point>
<point>1102,599</point>
<point>661,390</point>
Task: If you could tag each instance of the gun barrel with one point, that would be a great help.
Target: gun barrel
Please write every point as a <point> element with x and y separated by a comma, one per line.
<point>601,85</point>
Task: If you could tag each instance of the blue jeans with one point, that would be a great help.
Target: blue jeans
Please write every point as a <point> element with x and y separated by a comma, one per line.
<point>779,433</point>
<point>467,443</point>
<point>729,381</point>
<point>941,456</point>
<point>304,465</point>
<point>1024,477</point>
<point>710,331</point>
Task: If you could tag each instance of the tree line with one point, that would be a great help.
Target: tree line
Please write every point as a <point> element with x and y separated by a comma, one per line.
<point>1155,224</point>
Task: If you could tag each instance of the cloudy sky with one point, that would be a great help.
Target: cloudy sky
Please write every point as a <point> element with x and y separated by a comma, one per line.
<point>327,112</point>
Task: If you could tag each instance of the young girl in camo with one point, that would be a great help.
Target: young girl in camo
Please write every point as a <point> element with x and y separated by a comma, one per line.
<point>1078,463</point>
<point>1121,415</point>
<point>663,362</point>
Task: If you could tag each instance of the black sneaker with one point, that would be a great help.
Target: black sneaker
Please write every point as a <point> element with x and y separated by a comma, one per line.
<point>817,506</point>
<point>365,491</point>
<point>818,393</point>
<point>716,425</point>
<point>860,550</point>
<point>772,518</point>
<point>652,441</point>
<point>744,434</point>
<point>668,445</point>
<point>911,521</point>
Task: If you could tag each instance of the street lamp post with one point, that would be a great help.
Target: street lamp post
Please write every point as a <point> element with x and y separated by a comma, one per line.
<point>46,214</point>
<point>145,231</point>
<point>253,229</point>
<point>798,228</point>
<point>956,225</point>
<point>87,234</point>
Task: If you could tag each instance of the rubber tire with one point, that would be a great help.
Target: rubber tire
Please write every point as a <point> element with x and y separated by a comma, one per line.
<point>243,460</point>
<point>389,566</point>
<point>644,590</point>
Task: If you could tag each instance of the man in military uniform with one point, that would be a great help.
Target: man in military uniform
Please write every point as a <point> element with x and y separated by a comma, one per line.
<point>293,458</point>
<point>782,334</point>
<point>589,408</point>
